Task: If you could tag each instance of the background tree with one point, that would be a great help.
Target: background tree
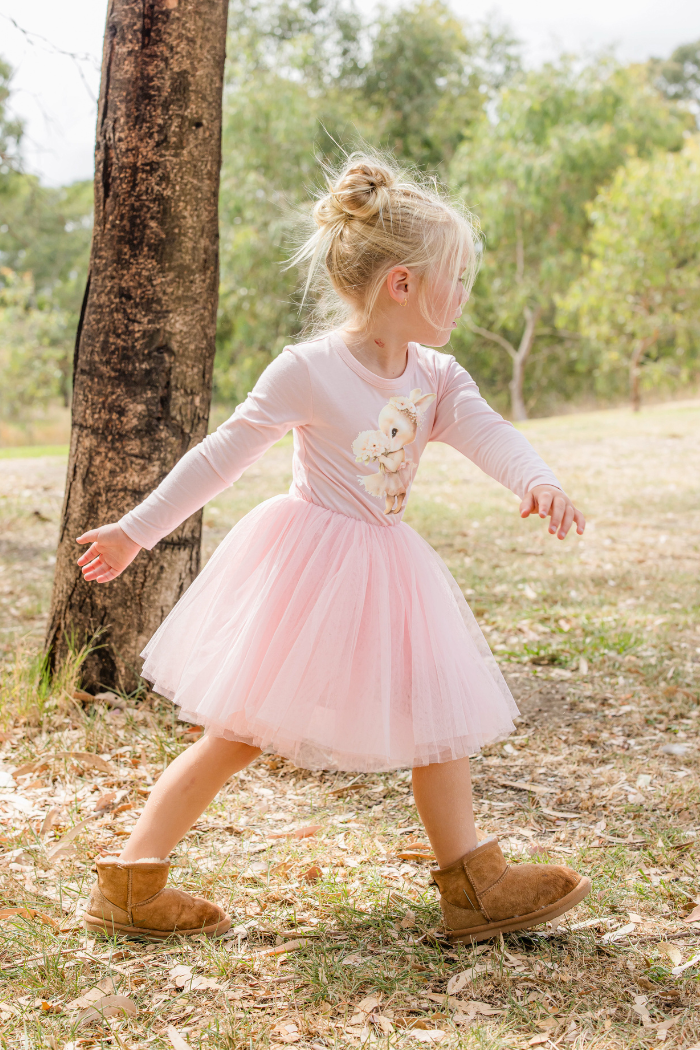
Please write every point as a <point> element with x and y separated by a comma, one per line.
<point>307,80</point>
<point>678,77</point>
<point>637,302</point>
<point>554,137</point>
<point>145,343</point>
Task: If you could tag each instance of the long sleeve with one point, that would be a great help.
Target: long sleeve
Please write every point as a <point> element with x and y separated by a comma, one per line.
<point>280,401</point>
<point>464,420</point>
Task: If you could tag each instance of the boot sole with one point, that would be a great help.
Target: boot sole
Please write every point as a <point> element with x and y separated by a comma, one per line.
<point>111,929</point>
<point>524,922</point>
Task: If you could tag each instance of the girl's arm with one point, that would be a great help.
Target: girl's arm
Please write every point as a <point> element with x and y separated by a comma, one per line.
<point>464,420</point>
<point>280,401</point>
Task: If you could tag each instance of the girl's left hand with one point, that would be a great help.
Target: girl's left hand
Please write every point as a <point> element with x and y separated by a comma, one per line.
<point>546,500</point>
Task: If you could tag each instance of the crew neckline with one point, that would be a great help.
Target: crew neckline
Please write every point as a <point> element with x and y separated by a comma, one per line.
<point>364,373</point>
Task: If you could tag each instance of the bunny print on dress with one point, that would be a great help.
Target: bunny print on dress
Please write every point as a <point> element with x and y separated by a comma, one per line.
<point>398,423</point>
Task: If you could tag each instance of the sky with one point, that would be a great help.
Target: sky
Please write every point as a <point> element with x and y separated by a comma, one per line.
<point>55,49</point>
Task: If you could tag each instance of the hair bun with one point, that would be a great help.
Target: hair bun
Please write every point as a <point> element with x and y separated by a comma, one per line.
<point>361,191</point>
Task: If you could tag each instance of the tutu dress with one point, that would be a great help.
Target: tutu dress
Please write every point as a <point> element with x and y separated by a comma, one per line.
<point>324,628</point>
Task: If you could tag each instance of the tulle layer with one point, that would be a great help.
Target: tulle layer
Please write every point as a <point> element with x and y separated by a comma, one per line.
<point>334,642</point>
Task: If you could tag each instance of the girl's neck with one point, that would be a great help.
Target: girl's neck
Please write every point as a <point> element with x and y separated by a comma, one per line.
<point>380,351</point>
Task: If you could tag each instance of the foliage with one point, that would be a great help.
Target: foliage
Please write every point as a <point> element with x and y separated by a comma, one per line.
<point>10,130</point>
<point>44,247</point>
<point>637,302</point>
<point>679,76</point>
<point>306,82</point>
<point>35,347</point>
<point>555,136</point>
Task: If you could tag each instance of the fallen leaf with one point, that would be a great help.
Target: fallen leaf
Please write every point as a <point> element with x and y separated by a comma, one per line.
<point>86,758</point>
<point>461,980</point>
<point>538,1040</point>
<point>312,874</point>
<point>409,920</point>
<point>524,785</point>
<point>286,1031</point>
<point>108,1006</point>
<point>409,855</point>
<point>281,949</point>
<point>352,960</point>
<point>36,766</point>
<point>671,952</point>
<point>369,1003</point>
<point>300,833</point>
<point>676,749</point>
<point>29,913</point>
<point>49,821</point>
<point>110,698</point>
<point>663,1028</point>
<point>617,935</point>
<point>180,975</point>
<point>104,987</point>
<point>337,792</point>
<point>474,1007</point>
<point>59,847</point>
<point>176,1039</point>
<point>430,1035</point>
<point>105,801</point>
<point>677,970</point>
<point>694,915</point>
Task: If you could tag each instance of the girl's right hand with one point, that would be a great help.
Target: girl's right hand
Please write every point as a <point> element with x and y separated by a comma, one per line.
<point>110,552</point>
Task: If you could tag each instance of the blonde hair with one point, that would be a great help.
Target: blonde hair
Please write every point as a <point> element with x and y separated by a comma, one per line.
<point>374,217</point>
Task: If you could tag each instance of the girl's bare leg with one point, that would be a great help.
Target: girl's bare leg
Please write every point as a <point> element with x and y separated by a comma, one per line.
<point>183,792</point>
<point>443,794</point>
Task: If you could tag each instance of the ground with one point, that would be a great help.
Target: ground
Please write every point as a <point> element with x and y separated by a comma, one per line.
<point>335,938</point>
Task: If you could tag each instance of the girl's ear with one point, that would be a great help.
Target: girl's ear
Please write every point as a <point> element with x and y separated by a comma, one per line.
<point>423,402</point>
<point>397,284</point>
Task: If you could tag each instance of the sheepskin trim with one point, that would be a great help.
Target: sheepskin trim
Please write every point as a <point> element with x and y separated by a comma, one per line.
<point>131,863</point>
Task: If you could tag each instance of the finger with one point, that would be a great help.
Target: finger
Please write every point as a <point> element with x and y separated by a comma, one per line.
<point>88,537</point>
<point>93,562</point>
<point>91,552</point>
<point>106,577</point>
<point>544,501</point>
<point>94,570</point>
<point>580,522</point>
<point>558,508</point>
<point>566,521</point>
<point>527,505</point>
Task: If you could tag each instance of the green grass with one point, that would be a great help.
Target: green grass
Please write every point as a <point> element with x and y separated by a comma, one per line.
<point>32,451</point>
<point>599,640</point>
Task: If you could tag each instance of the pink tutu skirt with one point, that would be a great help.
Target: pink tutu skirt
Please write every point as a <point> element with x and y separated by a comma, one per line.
<point>334,642</point>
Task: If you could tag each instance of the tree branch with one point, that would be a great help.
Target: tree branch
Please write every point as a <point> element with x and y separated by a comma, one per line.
<point>493,336</point>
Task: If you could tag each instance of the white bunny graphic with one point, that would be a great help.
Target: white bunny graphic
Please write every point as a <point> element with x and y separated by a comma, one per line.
<point>398,424</point>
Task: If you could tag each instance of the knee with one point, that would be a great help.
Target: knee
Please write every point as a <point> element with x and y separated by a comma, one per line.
<point>233,754</point>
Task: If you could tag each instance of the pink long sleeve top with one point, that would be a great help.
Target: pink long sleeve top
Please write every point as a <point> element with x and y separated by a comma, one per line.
<point>358,438</point>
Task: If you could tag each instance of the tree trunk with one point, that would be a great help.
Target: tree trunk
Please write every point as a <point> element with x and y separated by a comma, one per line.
<point>638,353</point>
<point>517,401</point>
<point>145,343</point>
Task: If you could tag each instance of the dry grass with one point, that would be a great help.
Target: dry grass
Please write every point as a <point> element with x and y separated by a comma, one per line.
<point>600,641</point>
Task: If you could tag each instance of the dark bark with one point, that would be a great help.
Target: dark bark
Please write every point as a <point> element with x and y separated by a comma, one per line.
<point>145,343</point>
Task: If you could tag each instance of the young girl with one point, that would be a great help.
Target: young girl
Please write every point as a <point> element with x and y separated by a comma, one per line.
<point>324,628</point>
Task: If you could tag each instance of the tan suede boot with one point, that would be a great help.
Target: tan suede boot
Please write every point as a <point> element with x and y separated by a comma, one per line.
<point>132,899</point>
<point>481,895</point>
